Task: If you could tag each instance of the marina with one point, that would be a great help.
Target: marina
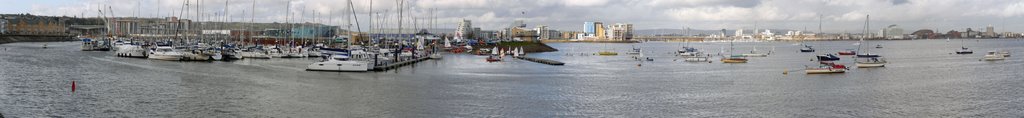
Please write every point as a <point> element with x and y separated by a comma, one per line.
<point>466,85</point>
<point>519,59</point>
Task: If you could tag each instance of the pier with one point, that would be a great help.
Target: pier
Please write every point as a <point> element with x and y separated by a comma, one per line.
<point>543,61</point>
<point>399,64</point>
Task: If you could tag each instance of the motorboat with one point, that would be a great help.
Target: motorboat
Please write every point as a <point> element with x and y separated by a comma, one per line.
<point>194,55</point>
<point>94,45</point>
<point>878,46</point>
<point>696,59</point>
<point>826,67</point>
<point>828,57</point>
<point>870,62</point>
<point>493,59</point>
<point>993,56</point>
<point>341,63</point>
<point>807,48</point>
<point>755,53</point>
<point>165,53</point>
<point>131,50</point>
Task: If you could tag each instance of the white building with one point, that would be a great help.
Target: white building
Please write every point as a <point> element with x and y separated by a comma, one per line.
<point>892,32</point>
<point>621,32</point>
<point>3,26</point>
<point>464,31</point>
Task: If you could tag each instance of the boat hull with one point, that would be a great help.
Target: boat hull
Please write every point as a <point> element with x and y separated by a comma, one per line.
<point>734,60</point>
<point>870,65</point>
<point>340,66</point>
<point>825,71</point>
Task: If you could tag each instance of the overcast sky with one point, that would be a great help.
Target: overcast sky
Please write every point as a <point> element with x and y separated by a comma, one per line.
<point>837,15</point>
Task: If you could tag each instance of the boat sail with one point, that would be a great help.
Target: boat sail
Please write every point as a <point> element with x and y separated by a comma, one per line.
<point>866,59</point>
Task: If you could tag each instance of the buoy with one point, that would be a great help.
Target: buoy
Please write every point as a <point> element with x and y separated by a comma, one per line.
<point>785,71</point>
<point>73,86</point>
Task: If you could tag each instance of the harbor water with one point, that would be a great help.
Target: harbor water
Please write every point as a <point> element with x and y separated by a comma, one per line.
<point>922,79</point>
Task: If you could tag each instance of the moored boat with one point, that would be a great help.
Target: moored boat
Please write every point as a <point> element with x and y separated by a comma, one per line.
<point>826,67</point>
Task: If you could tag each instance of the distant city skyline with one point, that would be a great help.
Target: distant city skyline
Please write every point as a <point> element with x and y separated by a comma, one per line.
<point>569,15</point>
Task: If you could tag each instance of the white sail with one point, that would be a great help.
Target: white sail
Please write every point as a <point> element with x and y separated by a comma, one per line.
<point>495,50</point>
<point>447,44</point>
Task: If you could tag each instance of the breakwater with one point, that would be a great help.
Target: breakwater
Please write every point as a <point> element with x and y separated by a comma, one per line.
<point>35,38</point>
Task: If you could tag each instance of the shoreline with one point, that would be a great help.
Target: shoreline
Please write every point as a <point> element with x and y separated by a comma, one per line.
<point>34,38</point>
<point>567,41</point>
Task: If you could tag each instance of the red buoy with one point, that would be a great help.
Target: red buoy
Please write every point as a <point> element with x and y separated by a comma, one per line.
<point>73,86</point>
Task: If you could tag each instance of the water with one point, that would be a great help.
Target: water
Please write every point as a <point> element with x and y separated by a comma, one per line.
<point>922,80</point>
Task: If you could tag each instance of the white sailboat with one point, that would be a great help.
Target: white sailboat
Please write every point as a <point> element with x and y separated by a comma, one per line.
<point>866,59</point>
<point>343,63</point>
<point>165,53</point>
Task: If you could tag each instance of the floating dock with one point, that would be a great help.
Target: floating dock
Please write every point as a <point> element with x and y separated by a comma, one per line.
<point>399,64</point>
<point>543,61</point>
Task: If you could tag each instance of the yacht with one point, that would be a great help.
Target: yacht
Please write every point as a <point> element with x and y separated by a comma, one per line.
<point>828,57</point>
<point>165,53</point>
<point>826,68</point>
<point>131,50</point>
<point>343,63</point>
<point>870,62</point>
<point>254,53</point>
<point>993,56</point>
<point>807,48</point>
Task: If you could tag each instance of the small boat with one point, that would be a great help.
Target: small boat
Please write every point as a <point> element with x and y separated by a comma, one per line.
<point>341,63</point>
<point>870,62</point>
<point>828,57</point>
<point>964,50</point>
<point>993,56</point>
<point>636,51</point>
<point>607,53</point>
<point>848,52</point>
<point>807,48</point>
<point>827,67</point>
<point>493,59</point>
<point>734,59</point>
<point>878,46</point>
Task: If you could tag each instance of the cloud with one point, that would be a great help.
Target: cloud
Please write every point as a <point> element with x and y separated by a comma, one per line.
<point>837,15</point>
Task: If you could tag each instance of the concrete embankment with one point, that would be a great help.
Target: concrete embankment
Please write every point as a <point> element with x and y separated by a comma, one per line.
<point>528,47</point>
<point>34,38</point>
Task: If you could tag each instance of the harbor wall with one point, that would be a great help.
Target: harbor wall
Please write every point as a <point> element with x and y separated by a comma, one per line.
<point>34,38</point>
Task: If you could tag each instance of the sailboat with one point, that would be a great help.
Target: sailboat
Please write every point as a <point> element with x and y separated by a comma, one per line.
<point>866,53</point>
<point>964,50</point>
<point>868,60</point>
<point>733,58</point>
<point>606,52</point>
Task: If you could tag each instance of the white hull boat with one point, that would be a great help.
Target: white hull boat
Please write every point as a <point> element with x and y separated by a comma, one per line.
<point>165,53</point>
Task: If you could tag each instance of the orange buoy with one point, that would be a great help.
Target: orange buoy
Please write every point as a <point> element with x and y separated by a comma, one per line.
<point>73,86</point>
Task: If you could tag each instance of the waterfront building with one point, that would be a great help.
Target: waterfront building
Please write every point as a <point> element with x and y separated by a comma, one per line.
<point>3,26</point>
<point>620,32</point>
<point>547,34</point>
<point>600,30</point>
<point>33,25</point>
<point>588,27</point>
<point>990,32</point>
<point>892,32</point>
<point>953,34</point>
<point>924,34</point>
<point>464,31</point>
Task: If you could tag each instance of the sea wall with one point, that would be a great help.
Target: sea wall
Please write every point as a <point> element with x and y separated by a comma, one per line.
<point>528,47</point>
<point>34,38</point>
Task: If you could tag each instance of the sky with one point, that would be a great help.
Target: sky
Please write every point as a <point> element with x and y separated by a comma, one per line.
<point>834,15</point>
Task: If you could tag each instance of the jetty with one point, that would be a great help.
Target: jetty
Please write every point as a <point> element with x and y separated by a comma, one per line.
<point>543,61</point>
<point>399,64</point>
